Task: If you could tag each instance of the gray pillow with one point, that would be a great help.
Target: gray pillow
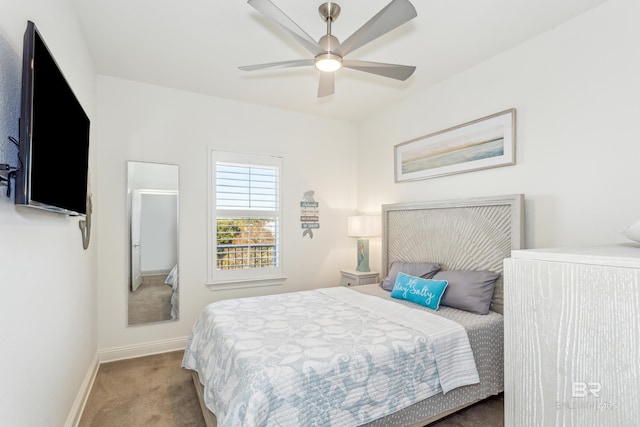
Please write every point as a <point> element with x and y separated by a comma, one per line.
<point>468,290</point>
<point>426,270</point>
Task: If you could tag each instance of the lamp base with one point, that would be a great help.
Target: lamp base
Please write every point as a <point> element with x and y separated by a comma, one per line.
<point>363,256</point>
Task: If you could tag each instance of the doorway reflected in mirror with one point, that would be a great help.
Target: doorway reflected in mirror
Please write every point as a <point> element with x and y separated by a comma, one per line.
<point>153,201</point>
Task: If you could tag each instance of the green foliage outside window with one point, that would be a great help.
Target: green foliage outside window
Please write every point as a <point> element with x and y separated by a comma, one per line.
<point>245,243</point>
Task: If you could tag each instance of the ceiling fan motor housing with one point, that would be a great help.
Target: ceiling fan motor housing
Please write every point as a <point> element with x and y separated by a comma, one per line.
<point>328,42</point>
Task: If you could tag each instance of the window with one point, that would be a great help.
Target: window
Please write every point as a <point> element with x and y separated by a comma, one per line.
<point>246,218</point>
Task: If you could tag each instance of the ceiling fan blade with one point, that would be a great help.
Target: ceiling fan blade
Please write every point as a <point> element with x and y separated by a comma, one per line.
<point>282,64</point>
<point>394,71</point>
<point>271,11</point>
<point>327,84</point>
<point>390,17</point>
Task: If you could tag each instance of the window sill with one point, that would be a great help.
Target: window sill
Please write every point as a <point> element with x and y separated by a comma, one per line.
<point>245,283</point>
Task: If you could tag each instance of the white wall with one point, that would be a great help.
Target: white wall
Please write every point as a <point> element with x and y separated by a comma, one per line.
<point>158,233</point>
<point>576,91</point>
<point>48,316</point>
<point>152,176</point>
<point>148,123</point>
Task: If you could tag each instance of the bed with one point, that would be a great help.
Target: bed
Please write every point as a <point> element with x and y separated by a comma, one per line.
<point>380,377</point>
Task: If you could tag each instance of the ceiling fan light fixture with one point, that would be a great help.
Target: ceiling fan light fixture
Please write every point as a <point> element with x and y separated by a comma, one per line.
<point>328,62</point>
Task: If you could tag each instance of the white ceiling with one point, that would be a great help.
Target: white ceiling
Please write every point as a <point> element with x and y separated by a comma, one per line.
<point>197,45</point>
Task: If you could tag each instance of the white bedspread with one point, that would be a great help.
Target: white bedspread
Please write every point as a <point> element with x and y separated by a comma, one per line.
<point>328,357</point>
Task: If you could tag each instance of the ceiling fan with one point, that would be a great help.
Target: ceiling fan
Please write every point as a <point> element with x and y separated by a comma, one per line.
<point>328,53</point>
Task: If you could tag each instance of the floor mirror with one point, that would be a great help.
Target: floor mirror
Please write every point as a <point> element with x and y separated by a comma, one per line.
<point>152,205</point>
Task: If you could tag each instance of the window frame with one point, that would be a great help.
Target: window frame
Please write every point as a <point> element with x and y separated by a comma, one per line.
<point>251,277</point>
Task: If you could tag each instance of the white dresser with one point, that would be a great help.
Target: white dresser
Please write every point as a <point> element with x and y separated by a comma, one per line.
<point>572,337</point>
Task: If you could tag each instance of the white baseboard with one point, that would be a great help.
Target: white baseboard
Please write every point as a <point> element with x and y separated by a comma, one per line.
<point>83,394</point>
<point>144,349</point>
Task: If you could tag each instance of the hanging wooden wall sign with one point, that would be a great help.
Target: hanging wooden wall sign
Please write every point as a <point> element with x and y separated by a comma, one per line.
<point>309,214</point>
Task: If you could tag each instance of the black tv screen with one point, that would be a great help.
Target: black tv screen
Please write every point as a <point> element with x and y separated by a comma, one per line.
<point>54,135</point>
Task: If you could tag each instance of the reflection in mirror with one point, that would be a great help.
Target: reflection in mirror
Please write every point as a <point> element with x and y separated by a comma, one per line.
<point>152,204</point>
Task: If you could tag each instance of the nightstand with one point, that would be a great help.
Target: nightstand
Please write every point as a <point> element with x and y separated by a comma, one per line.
<point>356,278</point>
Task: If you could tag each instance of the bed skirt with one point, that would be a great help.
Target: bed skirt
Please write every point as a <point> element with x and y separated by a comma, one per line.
<point>210,418</point>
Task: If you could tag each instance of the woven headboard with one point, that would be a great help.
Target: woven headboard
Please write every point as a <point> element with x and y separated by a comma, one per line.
<point>462,234</point>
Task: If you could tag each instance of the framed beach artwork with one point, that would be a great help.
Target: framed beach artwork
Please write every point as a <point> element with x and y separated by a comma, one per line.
<point>487,142</point>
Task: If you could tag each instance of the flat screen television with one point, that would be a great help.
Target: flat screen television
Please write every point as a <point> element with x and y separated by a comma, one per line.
<point>54,135</point>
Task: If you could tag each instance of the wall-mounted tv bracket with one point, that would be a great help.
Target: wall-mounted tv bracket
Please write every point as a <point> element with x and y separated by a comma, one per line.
<point>8,171</point>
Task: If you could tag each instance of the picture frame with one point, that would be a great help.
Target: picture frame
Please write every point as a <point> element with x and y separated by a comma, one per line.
<point>487,142</point>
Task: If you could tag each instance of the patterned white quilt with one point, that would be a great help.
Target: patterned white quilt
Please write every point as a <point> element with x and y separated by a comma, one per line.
<point>327,357</point>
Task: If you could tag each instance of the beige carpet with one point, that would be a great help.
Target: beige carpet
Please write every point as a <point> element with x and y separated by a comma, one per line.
<point>151,302</point>
<point>156,391</point>
<point>146,391</point>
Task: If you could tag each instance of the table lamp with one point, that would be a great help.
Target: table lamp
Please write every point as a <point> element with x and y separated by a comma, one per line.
<point>363,226</point>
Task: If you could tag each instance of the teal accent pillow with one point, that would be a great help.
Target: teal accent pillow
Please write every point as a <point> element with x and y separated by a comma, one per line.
<point>425,292</point>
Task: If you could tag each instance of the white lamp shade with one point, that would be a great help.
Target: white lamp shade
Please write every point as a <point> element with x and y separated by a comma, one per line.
<point>363,226</point>
<point>632,231</point>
